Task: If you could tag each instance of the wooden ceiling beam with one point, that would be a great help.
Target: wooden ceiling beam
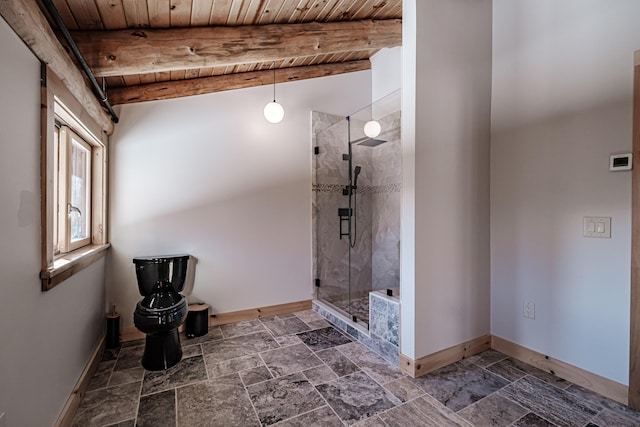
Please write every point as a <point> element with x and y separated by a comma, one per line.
<point>139,51</point>
<point>180,88</point>
<point>26,19</point>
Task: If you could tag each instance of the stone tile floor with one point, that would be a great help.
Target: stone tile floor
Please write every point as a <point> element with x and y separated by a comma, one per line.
<point>297,370</point>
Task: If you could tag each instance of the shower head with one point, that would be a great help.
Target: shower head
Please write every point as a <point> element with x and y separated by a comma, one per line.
<point>356,172</point>
<point>368,142</point>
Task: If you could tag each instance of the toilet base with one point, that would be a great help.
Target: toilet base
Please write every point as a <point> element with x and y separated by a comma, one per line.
<point>162,350</point>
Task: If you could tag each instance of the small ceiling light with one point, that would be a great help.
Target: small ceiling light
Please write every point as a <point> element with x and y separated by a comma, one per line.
<point>372,128</point>
<point>273,112</point>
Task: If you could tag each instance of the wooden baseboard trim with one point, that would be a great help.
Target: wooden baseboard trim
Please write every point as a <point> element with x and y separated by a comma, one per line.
<point>258,313</point>
<point>71,407</point>
<point>442,358</point>
<point>132,333</point>
<point>604,386</point>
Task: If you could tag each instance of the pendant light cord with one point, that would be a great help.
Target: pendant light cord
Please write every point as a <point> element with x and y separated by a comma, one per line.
<point>274,82</point>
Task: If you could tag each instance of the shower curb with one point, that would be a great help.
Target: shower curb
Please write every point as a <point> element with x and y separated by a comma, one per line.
<point>379,345</point>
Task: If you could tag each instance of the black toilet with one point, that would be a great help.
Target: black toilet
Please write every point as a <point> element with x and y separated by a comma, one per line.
<point>162,310</point>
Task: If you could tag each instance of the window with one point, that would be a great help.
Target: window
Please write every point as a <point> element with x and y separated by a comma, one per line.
<point>72,191</point>
<point>74,168</point>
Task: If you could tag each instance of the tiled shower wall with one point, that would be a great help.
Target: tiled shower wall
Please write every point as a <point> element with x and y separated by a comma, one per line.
<point>375,259</point>
<point>330,176</point>
<point>385,226</point>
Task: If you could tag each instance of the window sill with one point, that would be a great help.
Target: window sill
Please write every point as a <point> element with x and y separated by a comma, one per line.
<point>70,264</point>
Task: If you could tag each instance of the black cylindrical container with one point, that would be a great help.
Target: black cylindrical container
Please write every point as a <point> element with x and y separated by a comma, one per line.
<point>197,320</point>
<point>113,330</point>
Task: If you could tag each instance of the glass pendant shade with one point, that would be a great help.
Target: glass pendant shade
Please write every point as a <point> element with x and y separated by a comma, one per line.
<point>273,112</point>
<point>372,129</point>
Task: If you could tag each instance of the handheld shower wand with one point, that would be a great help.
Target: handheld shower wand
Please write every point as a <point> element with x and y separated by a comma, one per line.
<point>356,172</point>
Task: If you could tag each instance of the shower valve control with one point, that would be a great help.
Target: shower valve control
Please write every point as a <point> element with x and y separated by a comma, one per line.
<point>344,212</point>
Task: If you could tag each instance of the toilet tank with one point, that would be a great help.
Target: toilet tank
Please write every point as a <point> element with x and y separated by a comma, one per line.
<point>155,272</point>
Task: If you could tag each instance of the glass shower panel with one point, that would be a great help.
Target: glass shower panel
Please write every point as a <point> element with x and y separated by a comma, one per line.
<point>360,248</point>
<point>331,242</point>
<point>379,196</point>
<point>356,196</point>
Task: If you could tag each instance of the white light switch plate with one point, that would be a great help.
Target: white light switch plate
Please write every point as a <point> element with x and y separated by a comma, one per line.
<point>597,226</point>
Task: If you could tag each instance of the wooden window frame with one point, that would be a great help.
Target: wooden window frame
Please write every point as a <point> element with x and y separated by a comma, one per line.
<point>59,104</point>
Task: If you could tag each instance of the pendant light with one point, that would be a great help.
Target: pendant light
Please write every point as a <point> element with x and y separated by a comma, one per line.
<point>273,112</point>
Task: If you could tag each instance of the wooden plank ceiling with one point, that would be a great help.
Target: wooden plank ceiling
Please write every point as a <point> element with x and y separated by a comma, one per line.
<point>183,47</point>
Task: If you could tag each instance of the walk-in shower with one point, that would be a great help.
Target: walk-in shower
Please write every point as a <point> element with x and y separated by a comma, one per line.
<point>356,212</point>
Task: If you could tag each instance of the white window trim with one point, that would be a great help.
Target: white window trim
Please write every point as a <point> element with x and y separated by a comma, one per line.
<point>65,140</point>
<point>57,101</point>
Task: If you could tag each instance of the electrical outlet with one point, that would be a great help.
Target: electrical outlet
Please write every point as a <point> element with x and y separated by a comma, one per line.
<point>529,309</point>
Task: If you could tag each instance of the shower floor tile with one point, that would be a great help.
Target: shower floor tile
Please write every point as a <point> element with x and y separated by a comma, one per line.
<point>276,370</point>
<point>358,307</point>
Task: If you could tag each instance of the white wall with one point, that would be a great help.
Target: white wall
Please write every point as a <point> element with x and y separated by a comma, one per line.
<point>408,204</point>
<point>562,88</point>
<point>46,337</point>
<point>209,176</point>
<point>386,72</point>
<point>448,58</point>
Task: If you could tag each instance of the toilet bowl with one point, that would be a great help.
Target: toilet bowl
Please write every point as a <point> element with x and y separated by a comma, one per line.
<point>162,309</point>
